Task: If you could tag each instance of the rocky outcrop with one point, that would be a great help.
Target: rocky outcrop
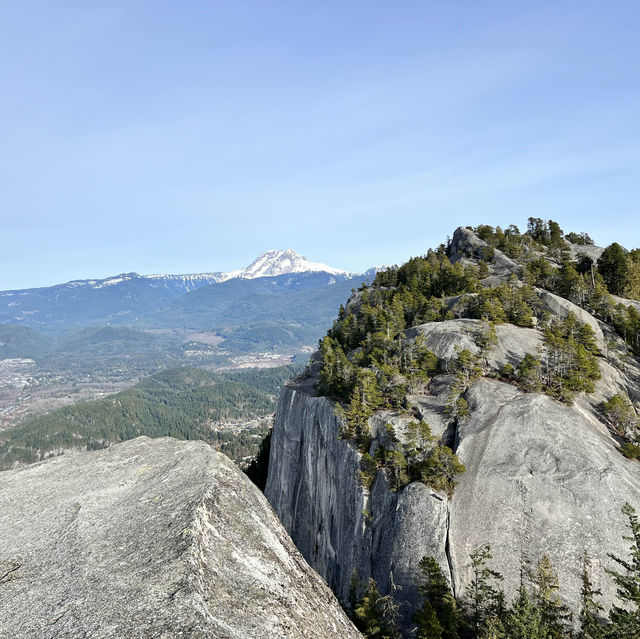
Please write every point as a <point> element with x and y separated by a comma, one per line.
<point>152,538</point>
<point>466,247</point>
<point>542,477</point>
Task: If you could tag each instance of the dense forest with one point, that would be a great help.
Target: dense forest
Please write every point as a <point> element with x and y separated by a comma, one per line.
<point>184,403</point>
<point>482,612</point>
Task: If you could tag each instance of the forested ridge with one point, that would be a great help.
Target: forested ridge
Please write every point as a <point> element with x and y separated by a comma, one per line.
<point>181,403</point>
<point>370,361</point>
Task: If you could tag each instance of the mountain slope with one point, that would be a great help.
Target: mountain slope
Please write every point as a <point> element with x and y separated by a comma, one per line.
<point>118,299</point>
<point>22,341</point>
<point>260,314</point>
<point>184,403</point>
<point>278,262</point>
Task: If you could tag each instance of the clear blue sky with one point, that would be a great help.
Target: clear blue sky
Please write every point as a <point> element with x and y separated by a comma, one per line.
<point>191,136</point>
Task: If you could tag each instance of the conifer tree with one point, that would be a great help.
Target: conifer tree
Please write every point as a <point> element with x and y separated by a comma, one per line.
<point>614,268</point>
<point>428,625</point>
<point>524,621</point>
<point>553,611</point>
<point>590,609</point>
<point>435,589</point>
<point>375,615</point>
<point>485,600</point>
<point>626,618</point>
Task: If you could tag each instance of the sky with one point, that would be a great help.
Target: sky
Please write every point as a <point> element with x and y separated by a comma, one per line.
<point>180,137</point>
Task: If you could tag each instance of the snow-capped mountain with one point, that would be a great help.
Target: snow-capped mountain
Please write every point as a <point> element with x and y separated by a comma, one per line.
<point>128,297</point>
<point>278,262</point>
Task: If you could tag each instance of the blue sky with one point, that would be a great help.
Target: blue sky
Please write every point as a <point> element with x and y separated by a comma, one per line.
<point>191,136</point>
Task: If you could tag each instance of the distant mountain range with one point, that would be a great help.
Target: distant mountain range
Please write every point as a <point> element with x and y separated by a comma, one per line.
<point>130,298</point>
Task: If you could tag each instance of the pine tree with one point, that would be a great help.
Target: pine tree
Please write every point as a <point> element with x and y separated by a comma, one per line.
<point>493,629</point>
<point>553,611</point>
<point>428,625</point>
<point>484,599</point>
<point>524,620</point>
<point>626,620</point>
<point>614,267</point>
<point>373,614</point>
<point>435,589</point>
<point>590,609</point>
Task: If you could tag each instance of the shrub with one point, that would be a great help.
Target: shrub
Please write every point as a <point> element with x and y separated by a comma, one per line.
<point>630,451</point>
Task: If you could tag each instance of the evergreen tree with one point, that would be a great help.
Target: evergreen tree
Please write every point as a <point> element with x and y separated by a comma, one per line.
<point>614,268</point>
<point>620,413</point>
<point>428,625</point>
<point>485,601</point>
<point>590,609</point>
<point>493,628</point>
<point>529,373</point>
<point>373,614</point>
<point>626,618</point>
<point>554,613</point>
<point>435,589</point>
<point>524,621</point>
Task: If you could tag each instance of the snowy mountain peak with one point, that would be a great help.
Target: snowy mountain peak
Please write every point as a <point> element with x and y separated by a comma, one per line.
<point>279,262</point>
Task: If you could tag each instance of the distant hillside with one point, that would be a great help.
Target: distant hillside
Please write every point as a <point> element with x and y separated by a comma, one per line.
<point>260,314</point>
<point>21,341</point>
<point>181,403</point>
<point>119,299</point>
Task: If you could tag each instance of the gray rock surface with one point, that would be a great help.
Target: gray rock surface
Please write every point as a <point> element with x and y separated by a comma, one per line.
<point>467,247</point>
<point>542,477</point>
<point>443,338</point>
<point>152,538</point>
<point>560,307</point>
<point>338,525</point>
<point>590,250</point>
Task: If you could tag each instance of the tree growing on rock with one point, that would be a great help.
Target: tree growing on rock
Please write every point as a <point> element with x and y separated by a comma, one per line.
<point>590,609</point>
<point>614,268</point>
<point>554,613</point>
<point>620,413</point>
<point>373,614</point>
<point>625,619</point>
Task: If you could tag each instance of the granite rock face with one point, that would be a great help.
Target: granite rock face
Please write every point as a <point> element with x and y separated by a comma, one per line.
<point>339,526</point>
<point>542,477</point>
<point>466,247</point>
<point>152,538</point>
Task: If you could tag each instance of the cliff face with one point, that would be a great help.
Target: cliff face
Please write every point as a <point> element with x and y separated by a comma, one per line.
<point>152,538</point>
<point>542,478</point>
<point>338,526</point>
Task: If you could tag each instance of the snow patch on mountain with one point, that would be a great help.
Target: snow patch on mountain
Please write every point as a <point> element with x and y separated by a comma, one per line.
<point>278,262</point>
